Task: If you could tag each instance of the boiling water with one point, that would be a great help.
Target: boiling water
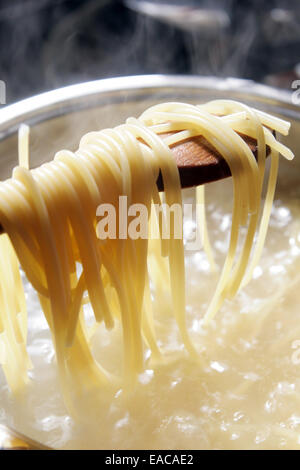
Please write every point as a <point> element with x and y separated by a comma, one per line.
<point>243,393</point>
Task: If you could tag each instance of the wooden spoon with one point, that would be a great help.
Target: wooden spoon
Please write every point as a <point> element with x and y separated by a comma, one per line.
<point>198,162</point>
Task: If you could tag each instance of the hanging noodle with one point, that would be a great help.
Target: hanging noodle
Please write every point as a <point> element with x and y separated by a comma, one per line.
<point>49,216</point>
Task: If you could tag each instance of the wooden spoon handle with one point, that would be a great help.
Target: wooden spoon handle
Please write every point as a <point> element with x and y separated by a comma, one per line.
<point>198,162</point>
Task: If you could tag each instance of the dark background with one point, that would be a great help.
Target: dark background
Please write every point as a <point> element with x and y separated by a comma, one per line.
<point>46,44</point>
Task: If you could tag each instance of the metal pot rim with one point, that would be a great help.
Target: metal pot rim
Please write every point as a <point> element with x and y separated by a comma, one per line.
<point>83,95</point>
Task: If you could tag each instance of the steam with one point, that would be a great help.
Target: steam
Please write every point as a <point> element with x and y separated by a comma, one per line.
<point>56,42</point>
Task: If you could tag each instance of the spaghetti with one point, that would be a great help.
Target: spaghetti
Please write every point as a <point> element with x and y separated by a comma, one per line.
<point>49,215</point>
